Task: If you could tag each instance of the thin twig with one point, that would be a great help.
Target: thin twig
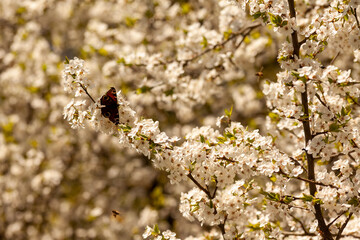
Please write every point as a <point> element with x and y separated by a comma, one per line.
<point>298,163</point>
<point>247,30</point>
<point>297,234</point>
<point>357,20</point>
<point>306,180</point>
<point>352,99</point>
<point>333,60</point>
<point>243,39</point>
<point>216,187</point>
<point>319,133</point>
<point>313,234</point>
<point>199,185</point>
<point>222,226</point>
<point>301,223</point>
<point>343,227</point>
<point>336,218</point>
<point>316,183</point>
<point>84,88</point>
<point>321,101</point>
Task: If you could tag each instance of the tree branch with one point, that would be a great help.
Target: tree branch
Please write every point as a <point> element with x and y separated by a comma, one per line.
<point>308,136</point>
<point>357,20</point>
<point>199,185</point>
<point>343,226</point>
<point>84,88</point>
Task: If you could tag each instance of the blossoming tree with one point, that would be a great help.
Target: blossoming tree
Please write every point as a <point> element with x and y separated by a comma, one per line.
<point>282,162</point>
<point>301,181</point>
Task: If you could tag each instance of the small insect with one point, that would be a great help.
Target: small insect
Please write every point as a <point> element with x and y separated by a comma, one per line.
<point>117,215</point>
<point>259,74</point>
<point>110,110</point>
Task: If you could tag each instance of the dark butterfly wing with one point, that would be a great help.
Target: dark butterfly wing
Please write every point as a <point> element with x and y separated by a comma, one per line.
<point>110,110</point>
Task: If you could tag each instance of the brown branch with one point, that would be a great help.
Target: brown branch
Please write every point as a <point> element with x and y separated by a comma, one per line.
<point>336,218</point>
<point>307,180</point>
<point>333,60</point>
<point>199,185</point>
<point>303,41</point>
<point>357,20</point>
<point>298,163</point>
<point>294,36</point>
<point>216,188</point>
<point>297,234</point>
<point>301,223</point>
<point>308,136</point>
<point>84,88</point>
<point>244,36</point>
<point>319,133</point>
<point>352,98</point>
<point>243,32</point>
<point>222,226</point>
<point>313,234</point>
<point>316,183</point>
<point>343,227</point>
<point>207,192</point>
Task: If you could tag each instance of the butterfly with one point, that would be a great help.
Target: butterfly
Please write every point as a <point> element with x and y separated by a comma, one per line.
<point>110,110</point>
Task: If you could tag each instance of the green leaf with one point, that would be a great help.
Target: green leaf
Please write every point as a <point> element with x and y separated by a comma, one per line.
<point>304,118</point>
<point>169,92</point>
<point>275,118</point>
<point>273,178</point>
<point>273,196</point>
<point>354,201</point>
<point>156,229</point>
<point>307,198</point>
<point>121,60</point>
<point>143,89</point>
<point>33,89</point>
<point>21,10</point>
<point>185,8</point>
<point>257,15</point>
<point>228,113</point>
<point>334,127</point>
<point>277,20</point>
<point>288,199</point>
<point>7,129</point>
<point>130,22</point>
<point>44,67</point>
<point>195,208</point>
<point>229,135</point>
<point>227,34</point>
<point>345,111</point>
<point>254,227</point>
<point>149,13</point>
<point>103,52</point>
<point>125,128</point>
<point>221,139</point>
<point>318,201</point>
<point>202,138</point>
<point>204,42</point>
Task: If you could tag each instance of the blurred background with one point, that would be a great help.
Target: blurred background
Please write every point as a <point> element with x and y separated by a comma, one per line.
<point>63,183</point>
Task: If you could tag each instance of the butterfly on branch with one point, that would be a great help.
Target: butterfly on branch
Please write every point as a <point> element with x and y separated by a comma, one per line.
<point>110,110</point>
